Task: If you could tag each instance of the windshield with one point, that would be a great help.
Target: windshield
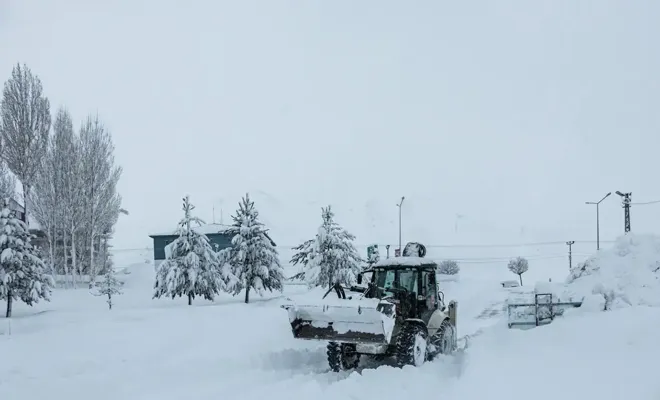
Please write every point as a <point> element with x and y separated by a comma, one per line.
<point>387,279</point>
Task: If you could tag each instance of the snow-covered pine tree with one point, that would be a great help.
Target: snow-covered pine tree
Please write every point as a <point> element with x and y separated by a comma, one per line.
<point>334,259</point>
<point>109,286</point>
<point>192,267</point>
<point>303,253</point>
<point>23,275</point>
<point>253,257</point>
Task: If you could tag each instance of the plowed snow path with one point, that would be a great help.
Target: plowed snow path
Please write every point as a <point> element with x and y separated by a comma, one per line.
<point>237,351</point>
<point>75,349</point>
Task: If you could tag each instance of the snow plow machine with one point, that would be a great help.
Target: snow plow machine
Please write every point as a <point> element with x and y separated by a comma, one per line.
<point>400,312</point>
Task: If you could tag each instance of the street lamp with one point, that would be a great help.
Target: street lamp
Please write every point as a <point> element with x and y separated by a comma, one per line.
<point>399,205</point>
<point>598,219</point>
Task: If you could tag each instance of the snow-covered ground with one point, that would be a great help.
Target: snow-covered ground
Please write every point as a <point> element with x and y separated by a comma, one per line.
<point>74,348</point>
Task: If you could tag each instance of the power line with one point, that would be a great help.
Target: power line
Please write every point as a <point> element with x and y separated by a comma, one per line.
<point>438,246</point>
<point>645,203</point>
<point>529,244</point>
<point>507,259</point>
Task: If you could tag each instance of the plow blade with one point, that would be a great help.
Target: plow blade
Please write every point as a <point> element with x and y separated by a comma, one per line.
<point>359,325</point>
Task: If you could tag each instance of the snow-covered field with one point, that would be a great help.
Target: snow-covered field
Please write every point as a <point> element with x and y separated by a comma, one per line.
<point>75,348</point>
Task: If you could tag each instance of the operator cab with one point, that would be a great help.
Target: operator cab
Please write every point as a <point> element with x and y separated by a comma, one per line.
<point>407,282</point>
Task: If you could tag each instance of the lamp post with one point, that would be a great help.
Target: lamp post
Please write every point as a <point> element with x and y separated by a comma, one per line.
<point>399,205</point>
<point>597,203</point>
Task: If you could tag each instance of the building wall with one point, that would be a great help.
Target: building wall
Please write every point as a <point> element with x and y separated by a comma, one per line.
<point>218,241</point>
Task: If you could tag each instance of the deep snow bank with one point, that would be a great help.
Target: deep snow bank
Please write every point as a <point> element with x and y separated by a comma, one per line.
<point>627,274</point>
<point>604,355</point>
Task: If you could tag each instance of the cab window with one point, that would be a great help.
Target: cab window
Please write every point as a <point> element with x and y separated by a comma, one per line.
<point>408,280</point>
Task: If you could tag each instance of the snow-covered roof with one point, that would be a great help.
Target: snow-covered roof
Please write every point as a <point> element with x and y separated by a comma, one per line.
<point>404,261</point>
<point>17,206</point>
<point>208,229</point>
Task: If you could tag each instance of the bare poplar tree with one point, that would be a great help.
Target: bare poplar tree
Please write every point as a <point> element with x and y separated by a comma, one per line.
<point>54,192</point>
<point>99,177</point>
<point>66,161</point>
<point>25,113</point>
<point>74,205</point>
<point>43,202</point>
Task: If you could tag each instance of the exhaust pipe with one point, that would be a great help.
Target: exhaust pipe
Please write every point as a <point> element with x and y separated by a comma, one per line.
<point>452,311</point>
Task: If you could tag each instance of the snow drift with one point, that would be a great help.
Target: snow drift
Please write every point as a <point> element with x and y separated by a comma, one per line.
<point>627,274</point>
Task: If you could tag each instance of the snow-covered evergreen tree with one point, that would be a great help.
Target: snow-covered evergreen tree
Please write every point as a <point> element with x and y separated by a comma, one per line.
<point>23,275</point>
<point>303,253</point>
<point>109,286</point>
<point>253,257</point>
<point>192,268</point>
<point>332,257</point>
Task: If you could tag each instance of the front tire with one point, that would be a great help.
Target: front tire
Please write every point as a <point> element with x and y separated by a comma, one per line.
<point>342,356</point>
<point>411,346</point>
<point>444,341</point>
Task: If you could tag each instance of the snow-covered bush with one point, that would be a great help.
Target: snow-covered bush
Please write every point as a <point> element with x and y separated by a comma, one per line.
<point>192,268</point>
<point>519,266</point>
<point>253,257</point>
<point>627,274</point>
<point>330,257</point>
<point>448,267</point>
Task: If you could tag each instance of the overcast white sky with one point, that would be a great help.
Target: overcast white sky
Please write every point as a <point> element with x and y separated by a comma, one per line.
<point>513,113</point>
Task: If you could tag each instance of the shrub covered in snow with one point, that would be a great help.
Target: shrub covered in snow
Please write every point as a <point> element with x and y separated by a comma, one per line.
<point>627,274</point>
<point>448,267</point>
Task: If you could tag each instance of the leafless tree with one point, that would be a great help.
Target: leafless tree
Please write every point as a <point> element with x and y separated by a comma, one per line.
<point>26,120</point>
<point>519,266</point>
<point>99,183</point>
<point>48,198</point>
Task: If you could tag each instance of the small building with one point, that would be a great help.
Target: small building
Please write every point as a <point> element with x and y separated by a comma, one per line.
<point>218,235</point>
<point>40,240</point>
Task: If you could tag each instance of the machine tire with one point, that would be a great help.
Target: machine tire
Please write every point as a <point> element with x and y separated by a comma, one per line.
<point>342,356</point>
<point>411,345</point>
<point>444,340</point>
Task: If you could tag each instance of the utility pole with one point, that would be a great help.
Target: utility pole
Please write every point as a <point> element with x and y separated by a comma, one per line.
<point>399,205</point>
<point>570,254</point>
<point>625,198</point>
<point>598,219</point>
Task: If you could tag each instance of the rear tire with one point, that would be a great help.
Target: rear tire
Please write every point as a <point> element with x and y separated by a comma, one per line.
<point>411,346</point>
<point>342,356</point>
